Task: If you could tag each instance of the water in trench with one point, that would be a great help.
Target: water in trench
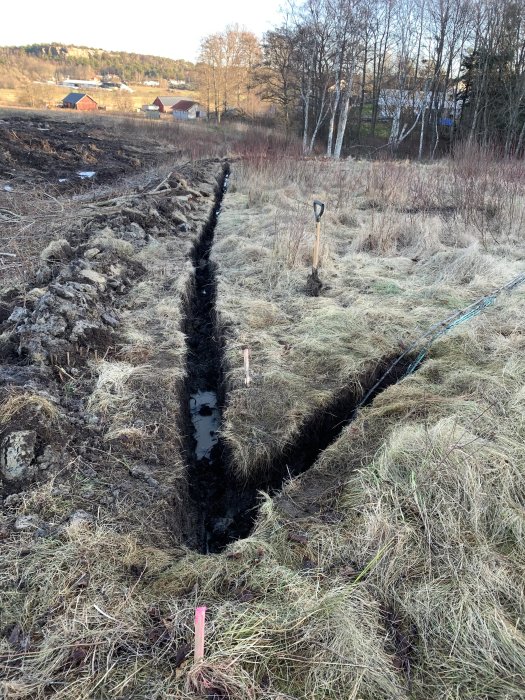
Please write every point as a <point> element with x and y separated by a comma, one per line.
<point>225,508</point>
<point>205,459</point>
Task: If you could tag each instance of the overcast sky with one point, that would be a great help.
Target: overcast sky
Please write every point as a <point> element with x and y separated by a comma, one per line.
<point>172,29</point>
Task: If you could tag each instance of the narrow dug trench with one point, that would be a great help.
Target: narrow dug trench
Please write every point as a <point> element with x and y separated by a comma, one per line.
<point>225,508</point>
<point>206,467</point>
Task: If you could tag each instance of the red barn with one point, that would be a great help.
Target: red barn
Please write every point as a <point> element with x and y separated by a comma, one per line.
<point>165,104</point>
<point>80,101</point>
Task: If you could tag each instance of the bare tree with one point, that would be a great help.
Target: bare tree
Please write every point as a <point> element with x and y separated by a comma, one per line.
<point>227,60</point>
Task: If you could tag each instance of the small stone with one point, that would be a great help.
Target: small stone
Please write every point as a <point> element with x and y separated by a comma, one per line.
<point>82,329</point>
<point>62,291</point>
<point>178,217</point>
<point>43,275</point>
<point>80,518</point>
<point>27,522</point>
<point>136,231</point>
<point>110,320</point>
<point>17,454</point>
<point>18,314</point>
<point>13,500</point>
<point>95,277</point>
<point>33,295</point>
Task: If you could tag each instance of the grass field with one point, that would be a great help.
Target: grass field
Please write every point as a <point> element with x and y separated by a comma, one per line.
<point>386,561</point>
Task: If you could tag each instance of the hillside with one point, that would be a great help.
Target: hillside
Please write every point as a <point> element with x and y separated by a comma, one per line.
<point>22,64</point>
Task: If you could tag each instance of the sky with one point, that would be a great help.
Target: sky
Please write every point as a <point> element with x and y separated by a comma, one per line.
<point>161,28</point>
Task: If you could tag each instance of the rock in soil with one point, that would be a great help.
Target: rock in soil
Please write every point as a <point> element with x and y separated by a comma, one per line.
<point>17,455</point>
<point>27,522</point>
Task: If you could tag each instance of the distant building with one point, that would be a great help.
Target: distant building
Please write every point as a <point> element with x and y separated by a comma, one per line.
<point>79,101</point>
<point>390,100</point>
<point>73,82</point>
<point>150,111</point>
<point>176,83</point>
<point>111,78</point>
<point>187,109</point>
<point>166,104</point>
<point>151,83</point>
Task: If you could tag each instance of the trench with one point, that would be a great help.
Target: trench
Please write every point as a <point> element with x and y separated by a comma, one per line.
<point>222,508</point>
<point>204,449</point>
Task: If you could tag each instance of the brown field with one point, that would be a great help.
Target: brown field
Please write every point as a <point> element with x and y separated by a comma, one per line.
<point>344,548</point>
<point>39,95</point>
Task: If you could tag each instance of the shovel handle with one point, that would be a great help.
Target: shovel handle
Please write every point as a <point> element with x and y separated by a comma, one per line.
<point>318,210</point>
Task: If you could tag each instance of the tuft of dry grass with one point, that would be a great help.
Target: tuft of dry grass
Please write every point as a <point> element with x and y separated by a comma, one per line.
<point>28,404</point>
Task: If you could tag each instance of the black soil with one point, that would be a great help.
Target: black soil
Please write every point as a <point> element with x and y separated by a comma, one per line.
<point>225,508</point>
<point>50,152</point>
<point>206,475</point>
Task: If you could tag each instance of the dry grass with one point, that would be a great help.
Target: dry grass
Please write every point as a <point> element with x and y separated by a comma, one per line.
<point>391,569</point>
<point>433,474</point>
<point>392,271</point>
<point>28,404</point>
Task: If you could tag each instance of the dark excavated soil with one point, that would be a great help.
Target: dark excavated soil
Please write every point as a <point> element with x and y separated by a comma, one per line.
<point>51,153</point>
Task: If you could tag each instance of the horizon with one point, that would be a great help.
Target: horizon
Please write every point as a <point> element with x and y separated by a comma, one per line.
<point>37,24</point>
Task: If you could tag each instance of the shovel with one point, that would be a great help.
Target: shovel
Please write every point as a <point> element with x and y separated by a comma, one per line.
<point>313,283</point>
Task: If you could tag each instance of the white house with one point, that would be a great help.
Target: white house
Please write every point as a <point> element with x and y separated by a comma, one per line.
<point>390,100</point>
<point>187,109</point>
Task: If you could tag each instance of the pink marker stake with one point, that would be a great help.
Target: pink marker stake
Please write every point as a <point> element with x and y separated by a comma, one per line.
<point>200,614</point>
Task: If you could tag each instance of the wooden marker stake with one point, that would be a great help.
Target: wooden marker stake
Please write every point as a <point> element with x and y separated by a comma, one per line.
<point>200,615</point>
<point>247,378</point>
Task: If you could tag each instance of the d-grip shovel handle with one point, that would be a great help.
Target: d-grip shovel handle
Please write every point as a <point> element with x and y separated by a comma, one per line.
<point>318,210</point>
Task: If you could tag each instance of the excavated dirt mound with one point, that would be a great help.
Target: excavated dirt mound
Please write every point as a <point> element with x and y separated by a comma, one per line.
<point>93,359</point>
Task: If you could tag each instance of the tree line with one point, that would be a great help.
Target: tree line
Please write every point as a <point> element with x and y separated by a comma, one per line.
<point>58,61</point>
<point>340,72</point>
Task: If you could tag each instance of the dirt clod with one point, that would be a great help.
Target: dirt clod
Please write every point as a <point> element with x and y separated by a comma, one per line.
<point>313,284</point>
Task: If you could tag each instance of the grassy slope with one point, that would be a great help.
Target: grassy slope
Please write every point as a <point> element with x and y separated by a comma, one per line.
<point>393,568</point>
<point>389,273</point>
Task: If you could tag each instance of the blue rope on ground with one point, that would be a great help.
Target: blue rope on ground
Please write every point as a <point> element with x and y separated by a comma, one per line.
<point>440,329</point>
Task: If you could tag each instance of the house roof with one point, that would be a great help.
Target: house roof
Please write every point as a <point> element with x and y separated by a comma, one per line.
<point>168,101</point>
<point>75,97</point>
<point>183,105</point>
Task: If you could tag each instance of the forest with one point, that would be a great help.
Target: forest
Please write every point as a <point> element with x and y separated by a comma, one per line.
<point>344,72</point>
<point>58,61</point>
